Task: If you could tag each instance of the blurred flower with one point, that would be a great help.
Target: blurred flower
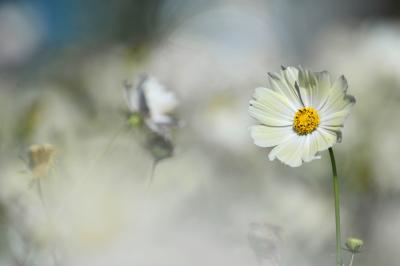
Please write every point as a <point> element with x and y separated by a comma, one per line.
<point>301,114</point>
<point>41,159</point>
<point>152,109</point>
<point>152,102</point>
<point>354,244</point>
<point>264,240</point>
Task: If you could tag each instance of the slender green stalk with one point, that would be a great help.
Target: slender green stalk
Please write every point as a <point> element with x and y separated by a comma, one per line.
<point>152,172</point>
<point>104,152</point>
<point>337,208</point>
<point>352,259</point>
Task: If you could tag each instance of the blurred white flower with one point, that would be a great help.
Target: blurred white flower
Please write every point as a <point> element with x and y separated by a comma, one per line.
<point>161,102</point>
<point>152,108</point>
<point>153,101</point>
<point>301,114</point>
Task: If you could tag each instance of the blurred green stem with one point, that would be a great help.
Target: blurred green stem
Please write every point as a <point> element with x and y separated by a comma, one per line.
<point>337,208</point>
<point>352,259</point>
<point>40,192</point>
<point>152,172</point>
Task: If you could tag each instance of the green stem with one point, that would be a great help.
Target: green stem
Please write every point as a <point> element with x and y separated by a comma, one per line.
<point>337,208</point>
<point>352,259</point>
<point>152,172</point>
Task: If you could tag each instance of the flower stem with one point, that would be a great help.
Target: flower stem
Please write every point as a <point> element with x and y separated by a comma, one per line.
<point>152,172</point>
<point>352,259</point>
<point>337,208</point>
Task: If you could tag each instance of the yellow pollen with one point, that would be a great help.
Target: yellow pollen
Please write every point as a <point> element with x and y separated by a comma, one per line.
<point>306,120</point>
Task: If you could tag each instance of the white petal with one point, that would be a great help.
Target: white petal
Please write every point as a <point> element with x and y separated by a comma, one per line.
<point>325,138</point>
<point>305,96</point>
<point>271,108</point>
<point>324,86</point>
<point>284,82</point>
<point>340,84</point>
<point>160,101</point>
<point>311,147</point>
<point>281,87</point>
<point>265,136</point>
<point>277,100</point>
<point>290,152</point>
<point>291,74</point>
<point>161,118</point>
<point>314,87</point>
<point>267,119</point>
<point>335,119</point>
<point>337,99</point>
<point>270,116</point>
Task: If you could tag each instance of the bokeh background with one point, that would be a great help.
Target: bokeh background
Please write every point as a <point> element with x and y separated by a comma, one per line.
<point>62,68</point>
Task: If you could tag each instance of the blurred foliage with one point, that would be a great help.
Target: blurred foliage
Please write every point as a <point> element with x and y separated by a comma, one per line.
<point>29,121</point>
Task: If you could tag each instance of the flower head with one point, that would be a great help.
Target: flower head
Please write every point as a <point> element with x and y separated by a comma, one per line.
<point>152,102</point>
<point>300,114</point>
<point>152,109</point>
<point>354,244</point>
<point>41,159</point>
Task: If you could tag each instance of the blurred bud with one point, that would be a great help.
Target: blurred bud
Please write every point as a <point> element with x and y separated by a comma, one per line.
<point>354,244</point>
<point>41,159</point>
<point>160,147</point>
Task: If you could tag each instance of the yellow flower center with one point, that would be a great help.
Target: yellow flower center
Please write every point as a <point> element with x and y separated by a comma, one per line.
<point>306,120</point>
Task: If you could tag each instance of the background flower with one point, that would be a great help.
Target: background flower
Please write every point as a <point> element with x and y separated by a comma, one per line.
<point>151,99</point>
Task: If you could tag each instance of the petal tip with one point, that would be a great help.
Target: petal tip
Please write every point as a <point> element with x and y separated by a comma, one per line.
<point>273,76</point>
<point>351,98</point>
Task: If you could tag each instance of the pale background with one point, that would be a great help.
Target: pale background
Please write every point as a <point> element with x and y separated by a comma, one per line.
<point>62,66</point>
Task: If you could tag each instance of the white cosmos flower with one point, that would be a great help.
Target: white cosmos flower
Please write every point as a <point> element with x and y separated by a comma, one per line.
<point>300,114</point>
<point>153,101</point>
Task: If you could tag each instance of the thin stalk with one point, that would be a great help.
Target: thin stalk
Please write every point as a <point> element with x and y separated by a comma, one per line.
<point>104,152</point>
<point>337,208</point>
<point>152,172</point>
<point>352,259</point>
<point>40,192</point>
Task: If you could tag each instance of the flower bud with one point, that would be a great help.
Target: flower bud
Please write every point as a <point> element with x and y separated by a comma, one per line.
<point>160,147</point>
<point>354,244</point>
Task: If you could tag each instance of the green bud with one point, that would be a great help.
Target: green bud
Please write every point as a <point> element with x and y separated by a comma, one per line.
<point>135,120</point>
<point>354,244</point>
<point>160,147</point>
